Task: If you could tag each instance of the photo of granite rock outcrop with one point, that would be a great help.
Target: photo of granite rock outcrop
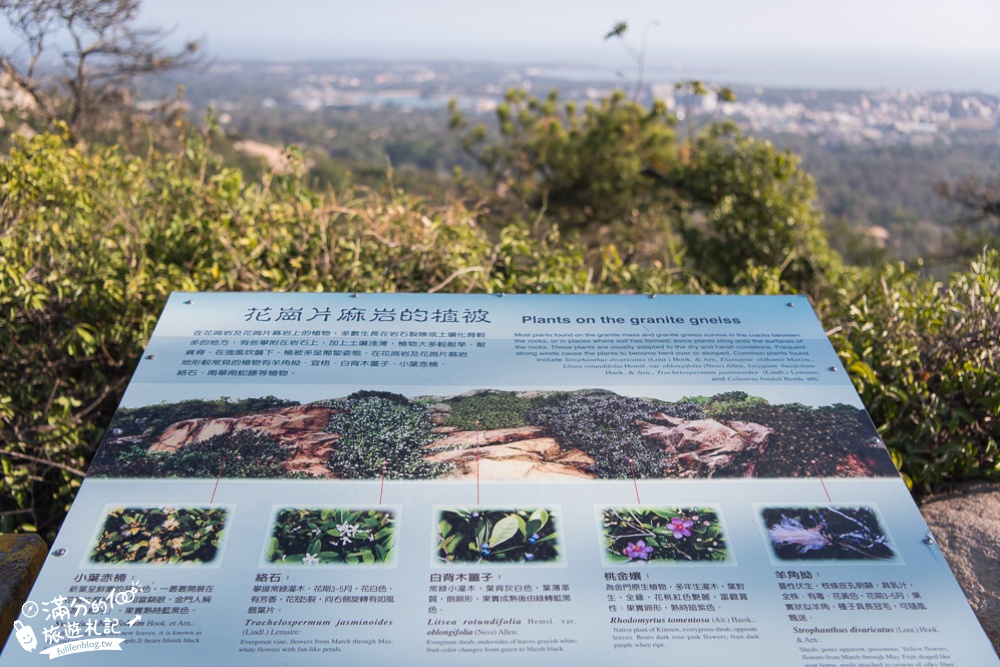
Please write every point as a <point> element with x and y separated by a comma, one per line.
<point>495,435</point>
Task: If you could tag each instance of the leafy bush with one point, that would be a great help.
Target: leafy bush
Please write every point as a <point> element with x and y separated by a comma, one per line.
<point>93,240</point>
<point>730,402</point>
<point>393,397</point>
<point>488,410</point>
<point>614,173</point>
<point>759,209</point>
<point>683,409</point>
<point>377,431</point>
<point>925,358</point>
<point>604,426</point>
<point>583,165</point>
<point>245,453</point>
<point>124,458</point>
<point>809,441</point>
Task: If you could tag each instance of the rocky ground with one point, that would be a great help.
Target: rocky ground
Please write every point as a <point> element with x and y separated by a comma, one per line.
<point>966,524</point>
<point>698,448</point>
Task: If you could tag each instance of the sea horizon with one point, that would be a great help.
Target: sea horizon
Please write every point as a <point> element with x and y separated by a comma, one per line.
<point>945,72</point>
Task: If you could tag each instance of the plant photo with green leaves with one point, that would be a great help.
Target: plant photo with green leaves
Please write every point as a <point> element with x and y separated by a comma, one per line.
<point>332,536</point>
<point>664,535</point>
<point>476,535</point>
<point>160,535</point>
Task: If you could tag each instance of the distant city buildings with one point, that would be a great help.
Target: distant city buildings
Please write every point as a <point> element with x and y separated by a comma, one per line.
<point>872,117</point>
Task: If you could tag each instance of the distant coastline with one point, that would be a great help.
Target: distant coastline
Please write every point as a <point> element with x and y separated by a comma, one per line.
<point>925,72</point>
<point>947,72</point>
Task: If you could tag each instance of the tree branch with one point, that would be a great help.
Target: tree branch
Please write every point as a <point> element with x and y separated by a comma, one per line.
<point>52,464</point>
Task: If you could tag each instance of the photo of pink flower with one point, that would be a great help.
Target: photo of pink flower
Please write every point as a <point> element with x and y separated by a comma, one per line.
<point>637,550</point>
<point>642,535</point>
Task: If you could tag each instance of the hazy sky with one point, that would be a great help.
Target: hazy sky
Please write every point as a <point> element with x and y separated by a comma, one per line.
<point>951,45</point>
<point>725,36</point>
<point>530,28</point>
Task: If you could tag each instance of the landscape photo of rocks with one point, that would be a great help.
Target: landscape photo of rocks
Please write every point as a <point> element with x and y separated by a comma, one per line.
<point>497,435</point>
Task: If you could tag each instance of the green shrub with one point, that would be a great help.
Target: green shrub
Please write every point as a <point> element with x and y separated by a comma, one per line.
<point>390,396</point>
<point>124,458</point>
<point>720,405</point>
<point>759,210</point>
<point>245,453</point>
<point>94,240</point>
<point>377,431</point>
<point>614,173</point>
<point>830,441</point>
<point>603,426</point>
<point>925,358</point>
<point>488,410</point>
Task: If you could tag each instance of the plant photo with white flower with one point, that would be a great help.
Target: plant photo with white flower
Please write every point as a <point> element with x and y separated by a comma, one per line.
<point>305,536</point>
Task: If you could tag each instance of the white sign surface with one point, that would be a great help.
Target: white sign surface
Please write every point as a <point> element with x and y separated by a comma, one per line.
<point>300,479</point>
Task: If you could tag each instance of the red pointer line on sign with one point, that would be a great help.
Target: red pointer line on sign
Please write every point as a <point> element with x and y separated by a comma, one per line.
<point>382,484</point>
<point>635,482</point>
<point>827,492</point>
<point>477,461</point>
<point>221,468</point>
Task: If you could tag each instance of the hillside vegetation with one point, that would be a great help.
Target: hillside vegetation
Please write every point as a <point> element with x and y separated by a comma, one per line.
<point>101,218</point>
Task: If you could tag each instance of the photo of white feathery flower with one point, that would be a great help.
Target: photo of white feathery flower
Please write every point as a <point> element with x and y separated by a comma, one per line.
<point>792,532</point>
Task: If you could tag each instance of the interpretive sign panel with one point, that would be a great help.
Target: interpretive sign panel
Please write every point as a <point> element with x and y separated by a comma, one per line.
<point>300,479</point>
